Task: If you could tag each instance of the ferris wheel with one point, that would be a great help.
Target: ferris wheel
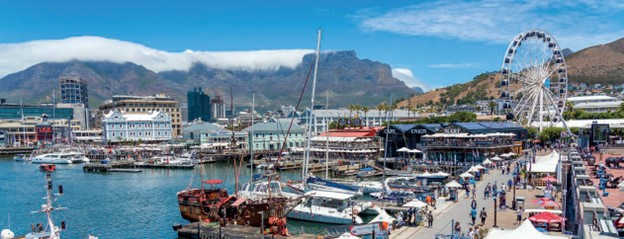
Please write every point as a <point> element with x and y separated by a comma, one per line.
<point>534,80</point>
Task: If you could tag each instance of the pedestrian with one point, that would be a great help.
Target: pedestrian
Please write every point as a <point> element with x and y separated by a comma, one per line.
<point>470,233</point>
<point>457,228</point>
<point>483,216</point>
<point>467,191</point>
<point>509,183</point>
<point>430,219</point>
<point>473,204</point>
<point>473,215</point>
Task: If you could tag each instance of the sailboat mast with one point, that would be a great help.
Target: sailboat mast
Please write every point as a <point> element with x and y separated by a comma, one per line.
<point>251,143</point>
<point>327,137</point>
<point>306,160</point>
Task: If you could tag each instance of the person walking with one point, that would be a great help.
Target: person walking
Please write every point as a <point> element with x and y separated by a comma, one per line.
<point>473,215</point>
<point>509,184</point>
<point>457,228</point>
<point>483,216</point>
<point>430,219</point>
<point>519,215</point>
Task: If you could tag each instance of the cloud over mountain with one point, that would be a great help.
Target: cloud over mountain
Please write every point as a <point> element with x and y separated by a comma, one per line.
<point>407,77</point>
<point>18,56</point>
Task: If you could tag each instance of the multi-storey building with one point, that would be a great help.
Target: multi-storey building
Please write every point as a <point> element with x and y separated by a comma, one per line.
<point>73,90</point>
<point>137,126</point>
<point>198,105</point>
<point>145,104</point>
<point>270,135</point>
<point>218,107</point>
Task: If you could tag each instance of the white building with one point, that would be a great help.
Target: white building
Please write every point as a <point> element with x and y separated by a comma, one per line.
<point>371,118</point>
<point>149,126</point>
<point>595,103</point>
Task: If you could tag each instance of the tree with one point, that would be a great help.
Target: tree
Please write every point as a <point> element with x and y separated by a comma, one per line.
<point>550,134</point>
<point>492,106</point>
<point>365,110</point>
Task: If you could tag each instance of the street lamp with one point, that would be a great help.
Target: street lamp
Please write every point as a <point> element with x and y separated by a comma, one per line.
<point>495,196</point>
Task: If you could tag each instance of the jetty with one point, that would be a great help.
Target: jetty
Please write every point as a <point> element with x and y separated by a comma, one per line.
<point>15,150</point>
<point>128,166</point>
<point>198,230</point>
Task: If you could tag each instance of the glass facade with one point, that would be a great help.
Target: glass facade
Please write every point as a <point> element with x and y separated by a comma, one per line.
<point>198,105</point>
<point>10,111</point>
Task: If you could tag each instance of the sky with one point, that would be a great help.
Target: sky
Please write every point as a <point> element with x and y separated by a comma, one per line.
<point>430,44</point>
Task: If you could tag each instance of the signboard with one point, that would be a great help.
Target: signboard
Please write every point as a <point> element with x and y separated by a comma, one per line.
<point>418,131</point>
<point>390,131</point>
<point>599,133</point>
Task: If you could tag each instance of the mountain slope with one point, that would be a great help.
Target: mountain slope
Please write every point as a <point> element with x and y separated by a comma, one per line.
<point>347,79</point>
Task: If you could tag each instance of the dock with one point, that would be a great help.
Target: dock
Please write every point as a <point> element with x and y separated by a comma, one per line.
<point>126,166</point>
<point>15,150</point>
<point>198,230</point>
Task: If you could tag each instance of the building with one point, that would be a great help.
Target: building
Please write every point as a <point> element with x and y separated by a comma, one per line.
<point>31,130</point>
<point>213,136</point>
<point>144,104</point>
<point>73,90</point>
<point>218,107</point>
<point>371,118</point>
<point>405,135</point>
<point>270,135</point>
<point>198,105</point>
<point>344,144</point>
<point>595,103</point>
<point>136,126</point>
<point>19,111</point>
<point>87,136</point>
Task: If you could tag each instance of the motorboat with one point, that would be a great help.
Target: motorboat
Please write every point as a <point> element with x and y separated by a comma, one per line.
<point>329,207</point>
<point>263,187</point>
<point>368,187</point>
<point>19,158</point>
<point>53,158</point>
<point>316,183</point>
<point>78,157</point>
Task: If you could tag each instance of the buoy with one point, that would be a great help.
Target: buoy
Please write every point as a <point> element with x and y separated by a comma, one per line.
<point>7,234</point>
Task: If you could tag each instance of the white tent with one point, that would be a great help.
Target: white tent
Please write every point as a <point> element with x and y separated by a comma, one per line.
<point>479,167</point>
<point>487,161</point>
<point>404,149</point>
<point>473,169</point>
<point>524,231</point>
<point>414,151</point>
<point>466,175</point>
<point>621,187</point>
<point>442,174</point>
<point>545,164</point>
<point>415,204</point>
<point>496,158</point>
<point>453,184</point>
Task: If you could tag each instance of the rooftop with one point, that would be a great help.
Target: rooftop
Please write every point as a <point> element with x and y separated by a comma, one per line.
<point>590,98</point>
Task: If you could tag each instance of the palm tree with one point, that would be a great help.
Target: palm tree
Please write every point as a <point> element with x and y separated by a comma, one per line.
<point>382,107</point>
<point>492,106</point>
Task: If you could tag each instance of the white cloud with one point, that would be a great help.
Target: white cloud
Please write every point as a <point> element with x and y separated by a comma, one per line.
<point>18,56</point>
<point>452,65</point>
<point>406,75</point>
<point>575,23</point>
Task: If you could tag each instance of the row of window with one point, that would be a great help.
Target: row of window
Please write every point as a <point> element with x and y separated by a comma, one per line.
<point>136,125</point>
<point>270,135</point>
<point>276,146</point>
<point>132,134</point>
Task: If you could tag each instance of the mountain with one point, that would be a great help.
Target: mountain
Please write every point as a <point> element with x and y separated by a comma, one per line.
<point>344,77</point>
<point>418,90</point>
<point>596,64</point>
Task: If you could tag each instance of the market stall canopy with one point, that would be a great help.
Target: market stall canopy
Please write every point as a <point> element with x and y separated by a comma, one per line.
<point>473,169</point>
<point>466,175</point>
<point>415,204</point>
<point>479,166</point>
<point>487,161</point>
<point>496,158</point>
<point>414,151</point>
<point>524,231</point>
<point>442,174</point>
<point>545,164</point>
<point>547,217</point>
<point>404,149</point>
<point>453,184</point>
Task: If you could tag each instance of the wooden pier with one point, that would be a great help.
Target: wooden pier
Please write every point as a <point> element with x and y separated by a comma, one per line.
<point>13,151</point>
<point>198,230</point>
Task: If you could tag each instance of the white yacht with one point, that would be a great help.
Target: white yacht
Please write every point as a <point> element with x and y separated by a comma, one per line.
<point>54,158</point>
<point>262,188</point>
<point>329,207</point>
<point>78,157</point>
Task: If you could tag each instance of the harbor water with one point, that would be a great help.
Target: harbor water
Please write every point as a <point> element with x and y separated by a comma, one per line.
<point>113,205</point>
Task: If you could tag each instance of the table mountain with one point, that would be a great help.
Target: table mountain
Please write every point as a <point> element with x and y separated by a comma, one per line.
<point>346,78</point>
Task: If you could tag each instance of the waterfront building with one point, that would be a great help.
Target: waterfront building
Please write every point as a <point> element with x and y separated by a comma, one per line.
<point>136,126</point>
<point>30,129</point>
<point>213,136</point>
<point>144,104</point>
<point>405,135</point>
<point>87,136</point>
<point>371,118</point>
<point>3,138</point>
<point>198,105</point>
<point>345,144</point>
<point>73,90</point>
<point>595,103</point>
<point>270,135</point>
<point>16,111</point>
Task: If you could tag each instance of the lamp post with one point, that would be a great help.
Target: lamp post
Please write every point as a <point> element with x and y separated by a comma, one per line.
<point>495,196</point>
<point>513,203</point>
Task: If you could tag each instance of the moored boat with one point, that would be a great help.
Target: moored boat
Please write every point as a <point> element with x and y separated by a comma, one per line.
<point>53,158</point>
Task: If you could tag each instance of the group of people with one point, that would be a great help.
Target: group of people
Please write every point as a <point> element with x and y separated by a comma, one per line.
<point>472,233</point>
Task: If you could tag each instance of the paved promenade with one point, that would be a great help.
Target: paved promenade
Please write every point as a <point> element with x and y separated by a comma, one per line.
<point>459,211</point>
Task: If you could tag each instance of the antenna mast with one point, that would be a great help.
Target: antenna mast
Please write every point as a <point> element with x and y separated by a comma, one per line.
<point>311,115</point>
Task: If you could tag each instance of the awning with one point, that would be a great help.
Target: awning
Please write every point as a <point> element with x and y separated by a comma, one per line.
<point>547,217</point>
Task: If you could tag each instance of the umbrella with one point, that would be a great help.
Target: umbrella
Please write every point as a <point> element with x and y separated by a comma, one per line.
<point>415,204</point>
<point>496,158</point>
<point>414,151</point>
<point>443,174</point>
<point>547,203</point>
<point>487,161</point>
<point>466,175</point>
<point>473,169</point>
<point>549,179</point>
<point>404,149</point>
<point>546,217</point>
<point>479,167</point>
<point>453,184</point>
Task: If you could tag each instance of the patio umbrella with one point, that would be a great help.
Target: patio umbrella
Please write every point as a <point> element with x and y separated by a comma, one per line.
<point>547,203</point>
<point>496,158</point>
<point>404,149</point>
<point>473,169</point>
<point>487,161</point>
<point>414,151</point>
<point>466,175</point>
<point>453,184</point>
<point>479,167</point>
<point>443,174</point>
<point>547,217</point>
<point>549,179</point>
<point>415,204</point>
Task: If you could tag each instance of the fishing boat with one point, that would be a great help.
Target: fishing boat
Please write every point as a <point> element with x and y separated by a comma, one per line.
<point>53,158</point>
<point>329,207</point>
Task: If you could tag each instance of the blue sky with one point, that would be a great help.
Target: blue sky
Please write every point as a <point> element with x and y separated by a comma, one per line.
<point>441,42</point>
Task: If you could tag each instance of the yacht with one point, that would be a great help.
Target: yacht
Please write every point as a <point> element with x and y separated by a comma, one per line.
<point>316,183</point>
<point>262,188</point>
<point>329,207</point>
<point>78,157</point>
<point>53,158</point>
